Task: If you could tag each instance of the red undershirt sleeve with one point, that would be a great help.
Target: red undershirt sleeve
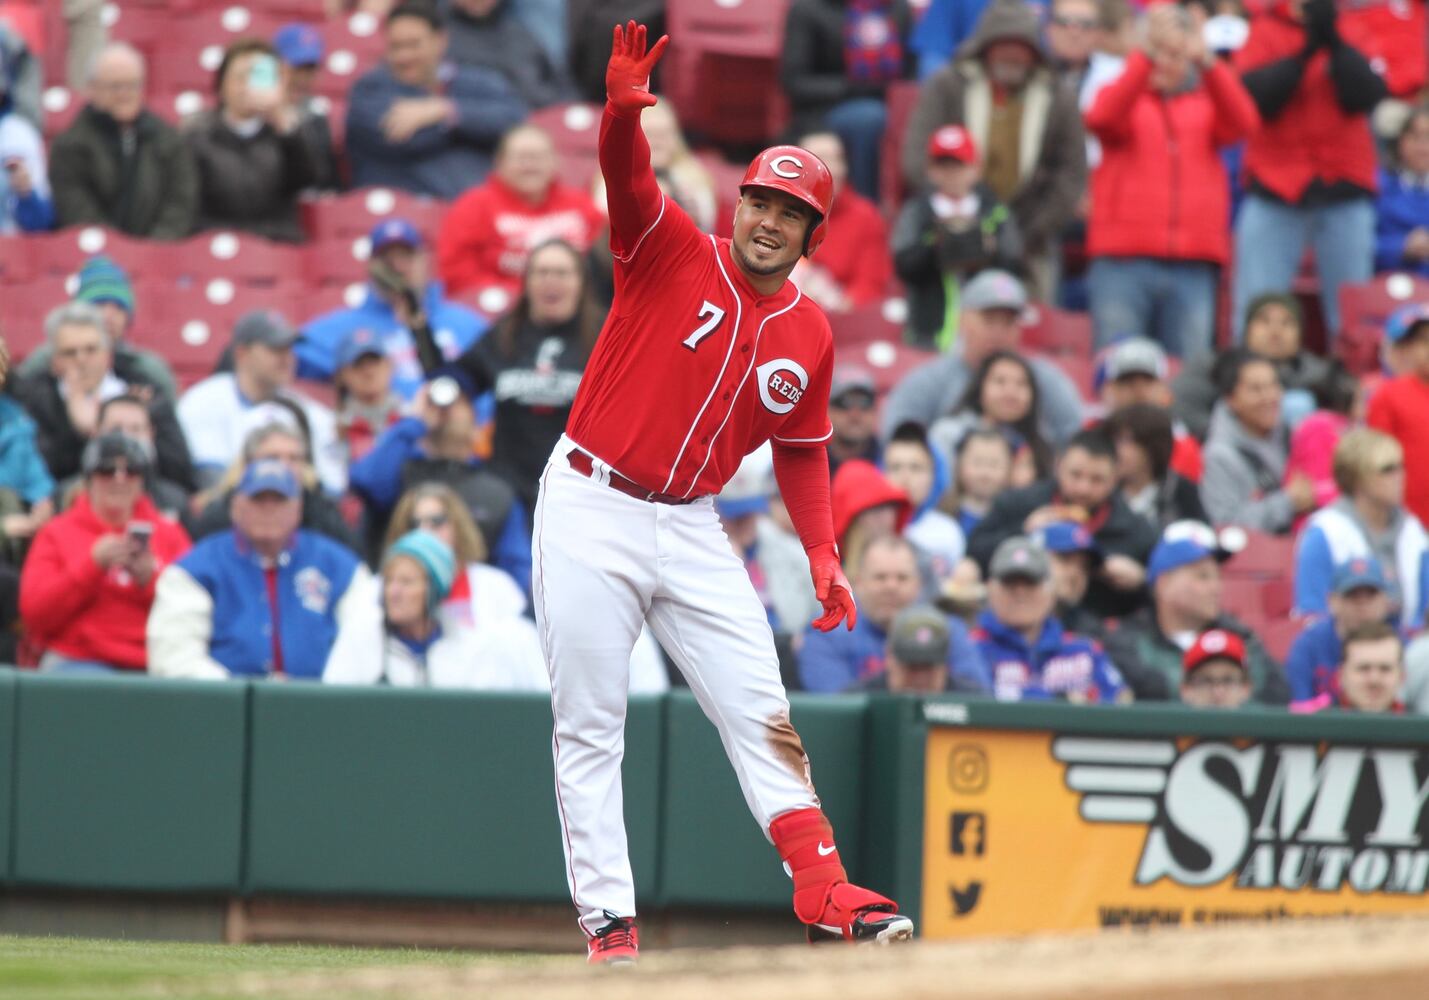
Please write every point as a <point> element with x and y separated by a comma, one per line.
<point>803,477</point>
<point>632,193</point>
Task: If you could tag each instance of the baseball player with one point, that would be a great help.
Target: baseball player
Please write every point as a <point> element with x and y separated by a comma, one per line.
<point>708,352</point>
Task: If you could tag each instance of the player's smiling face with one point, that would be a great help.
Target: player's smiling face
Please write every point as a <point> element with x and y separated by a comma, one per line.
<point>769,228</point>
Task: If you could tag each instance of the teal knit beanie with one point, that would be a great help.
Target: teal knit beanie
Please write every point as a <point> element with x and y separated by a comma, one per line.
<point>102,280</point>
<point>436,560</point>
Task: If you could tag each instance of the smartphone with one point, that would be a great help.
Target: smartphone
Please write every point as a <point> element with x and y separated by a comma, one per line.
<point>263,77</point>
<point>139,532</point>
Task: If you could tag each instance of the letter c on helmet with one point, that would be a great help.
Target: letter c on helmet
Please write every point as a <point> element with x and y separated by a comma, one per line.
<point>775,163</point>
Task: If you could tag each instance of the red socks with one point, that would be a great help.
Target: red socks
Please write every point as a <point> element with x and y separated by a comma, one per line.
<point>805,841</point>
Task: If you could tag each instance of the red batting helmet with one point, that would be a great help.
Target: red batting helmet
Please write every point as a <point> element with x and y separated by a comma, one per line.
<point>798,172</point>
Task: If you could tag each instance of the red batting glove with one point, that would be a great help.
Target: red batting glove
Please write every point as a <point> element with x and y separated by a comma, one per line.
<point>627,75</point>
<point>832,589</point>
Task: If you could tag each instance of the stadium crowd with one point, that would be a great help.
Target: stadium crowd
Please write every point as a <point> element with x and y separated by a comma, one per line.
<point>1131,311</point>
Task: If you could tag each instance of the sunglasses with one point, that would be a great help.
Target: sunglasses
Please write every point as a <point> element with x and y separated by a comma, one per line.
<point>114,471</point>
<point>1084,23</point>
<point>430,522</point>
<point>1385,470</point>
<point>857,401</point>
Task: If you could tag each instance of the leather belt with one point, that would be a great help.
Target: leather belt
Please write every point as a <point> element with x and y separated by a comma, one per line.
<point>581,462</point>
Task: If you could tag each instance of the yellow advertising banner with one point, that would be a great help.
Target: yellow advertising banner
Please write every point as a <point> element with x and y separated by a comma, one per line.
<point>1034,831</point>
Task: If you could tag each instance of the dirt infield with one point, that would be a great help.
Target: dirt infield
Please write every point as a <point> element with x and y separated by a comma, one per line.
<point>1363,959</point>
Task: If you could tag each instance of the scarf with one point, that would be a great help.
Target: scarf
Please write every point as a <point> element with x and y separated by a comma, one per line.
<point>873,52</point>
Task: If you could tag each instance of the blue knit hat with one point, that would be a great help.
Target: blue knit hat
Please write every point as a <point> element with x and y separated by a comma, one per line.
<point>435,558</point>
<point>102,280</point>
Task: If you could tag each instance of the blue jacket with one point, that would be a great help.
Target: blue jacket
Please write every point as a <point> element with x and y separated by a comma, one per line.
<point>1401,206</point>
<point>378,479</point>
<point>454,327</point>
<point>1314,661</point>
<point>1330,538</point>
<point>839,660</point>
<point>21,467</point>
<point>1061,664</point>
<point>441,160</point>
<point>212,613</point>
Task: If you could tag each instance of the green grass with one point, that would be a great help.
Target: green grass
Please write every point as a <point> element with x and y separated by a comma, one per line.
<point>58,968</point>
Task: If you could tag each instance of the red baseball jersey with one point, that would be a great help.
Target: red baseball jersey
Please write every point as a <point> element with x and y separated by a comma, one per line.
<point>694,369</point>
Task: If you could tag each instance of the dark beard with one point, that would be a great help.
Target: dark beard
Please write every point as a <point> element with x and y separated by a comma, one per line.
<point>753,267</point>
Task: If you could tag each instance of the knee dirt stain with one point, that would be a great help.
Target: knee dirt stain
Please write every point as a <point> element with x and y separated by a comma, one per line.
<point>787,746</point>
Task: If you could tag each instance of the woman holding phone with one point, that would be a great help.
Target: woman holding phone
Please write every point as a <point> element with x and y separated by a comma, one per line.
<point>252,160</point>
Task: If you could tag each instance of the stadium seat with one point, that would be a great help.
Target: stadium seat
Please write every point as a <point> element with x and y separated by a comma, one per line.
<point>22,321</point>
<point>888,361</point>
<point>16,265</point>
<point>193,44</point>
<point>354,213</point>
<point>1363,309</point>
<point>877,321</point>
<point>575,129</point>
<point>1056,332</point>
<point>240,257</point>
<point>59,107</point>
<point>722,70</point>
<point>336,262</point>
<point>1257,601</point>
<point>351,46</point>
<point>189,324</point>
<point>1264,556</point>
<point>1279,636</point>
<point>62,253</point>
<point>726,177</point>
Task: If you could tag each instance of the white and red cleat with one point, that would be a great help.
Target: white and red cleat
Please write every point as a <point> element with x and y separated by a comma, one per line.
<point>852,913</point>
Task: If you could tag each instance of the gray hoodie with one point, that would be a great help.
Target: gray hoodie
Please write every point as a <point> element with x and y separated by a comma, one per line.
<point>1241,481</point>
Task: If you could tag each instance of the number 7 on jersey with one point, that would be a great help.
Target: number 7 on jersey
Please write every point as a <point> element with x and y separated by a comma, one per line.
<point>714,314</point>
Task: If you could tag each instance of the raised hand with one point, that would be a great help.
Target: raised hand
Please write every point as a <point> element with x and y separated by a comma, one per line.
<point>627,75</point>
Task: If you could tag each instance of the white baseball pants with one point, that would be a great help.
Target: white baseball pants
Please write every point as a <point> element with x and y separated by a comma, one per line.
<point>604,563</point>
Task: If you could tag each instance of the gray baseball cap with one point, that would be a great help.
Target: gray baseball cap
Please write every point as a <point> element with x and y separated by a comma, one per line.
<point>851,378</point>
<point>919,637</point>
<point>264,326</point>
<point>1137,356</point>
<point>994,290</point>
<point>1020,556</point>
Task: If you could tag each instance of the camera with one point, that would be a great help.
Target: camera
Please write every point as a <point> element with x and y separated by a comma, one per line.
<point>443,391</point>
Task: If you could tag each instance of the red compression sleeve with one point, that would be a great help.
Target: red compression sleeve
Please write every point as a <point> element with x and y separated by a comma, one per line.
<point>631,192</point>
<point>803,477</point>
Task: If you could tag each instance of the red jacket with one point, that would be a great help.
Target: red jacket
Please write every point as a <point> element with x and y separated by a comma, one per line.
<point>489,230</point>
<point>859,486</point>
<point>1312,137</point>
<point>1161,189</point>
<point>855,248</point>
<point>1400,408</point>
<point>78,610</point>
<point>1391,34</point>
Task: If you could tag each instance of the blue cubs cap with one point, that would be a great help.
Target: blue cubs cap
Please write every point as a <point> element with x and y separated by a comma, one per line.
<point>1184,543</point>
<point>390,232</point>
<point>1402,321</point>
<point>358,344</point>
<point>1357,574</point>
<point>1065,537</point>
<point>299,45</point>
<point>268,475</point>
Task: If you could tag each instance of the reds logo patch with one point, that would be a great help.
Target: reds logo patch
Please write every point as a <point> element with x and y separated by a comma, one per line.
<point>781,384</point>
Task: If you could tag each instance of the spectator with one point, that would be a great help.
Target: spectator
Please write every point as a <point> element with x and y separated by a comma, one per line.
<point>982,472</point>
<point>1273,330</point>
<point>1400,407</point>
<point>1072,29</point>
<point>839,58</point>
<point>1247,447</point>
<point>367,403</point>
<point>912,466</point>
<point>1371,675</point>
<point>490,230</point>
<point>1030,656</point>
<point>886,582</point>
<point>679,172</point>
<point>88,580</point>
<point>1184,577</point>
<point>865,506</point>
<point>251,158</point>
<point>854,267</point>
<point>22,75</point>
<point>916,658</point>
<point>1359,594</point>
<point>941,30</point>
<point>420,123</point>
<point>409,642</point>
<point>65,400</point>
<point>592,19</point>
<point>85,26</point>
<point>1214,674</point>
<point>1145,446</point>
<point>489,34</point>
<point>1135,371</point>
<point>480,592</point>
<point>300,47</point>
<point>991,305</point>
<point>1310,169</point>
<point>280,440</point>
<point>1082,490</point>
<point>25,204</point>
<point>1074,559</point>
<point>437,443</point>
<point>852,414</point>
<point>1002,90</point>
<point>1002,396</point>
<point>1402,211</point>
<point>955,228</point>
<point>1367,521</point>
<point>263,599</point>
<point>532,361</point>
<point>1339,406</point>
<point>128,414</point>
<point>401,301</point>
<point>1160,195</point>
<point>26,487</point>
<point>106,286</point>
<point>218,413</point>
<point>119,165</point>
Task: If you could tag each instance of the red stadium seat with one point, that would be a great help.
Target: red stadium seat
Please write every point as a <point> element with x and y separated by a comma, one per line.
<point>1080,369</point>
<point>336,262</point>
<point>16,265</point>
<point>189,324</point>
<point>888,361</point>
<point>722,70</point>
<point>726,177</point>
<point>354,213</point>
<point>877,321</point>
<point>192,45</point>
<point>575,129</point>
<point>63,253</point>
<point>1256,601</point>
<point>22,320</point>
<point>1264,556</point>
<point>240,257</point>
<point>1056,332</point>
<point>1363,309</point>
<point>1278,636</point>
<point>351,46</point>
<point>59,106</point>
